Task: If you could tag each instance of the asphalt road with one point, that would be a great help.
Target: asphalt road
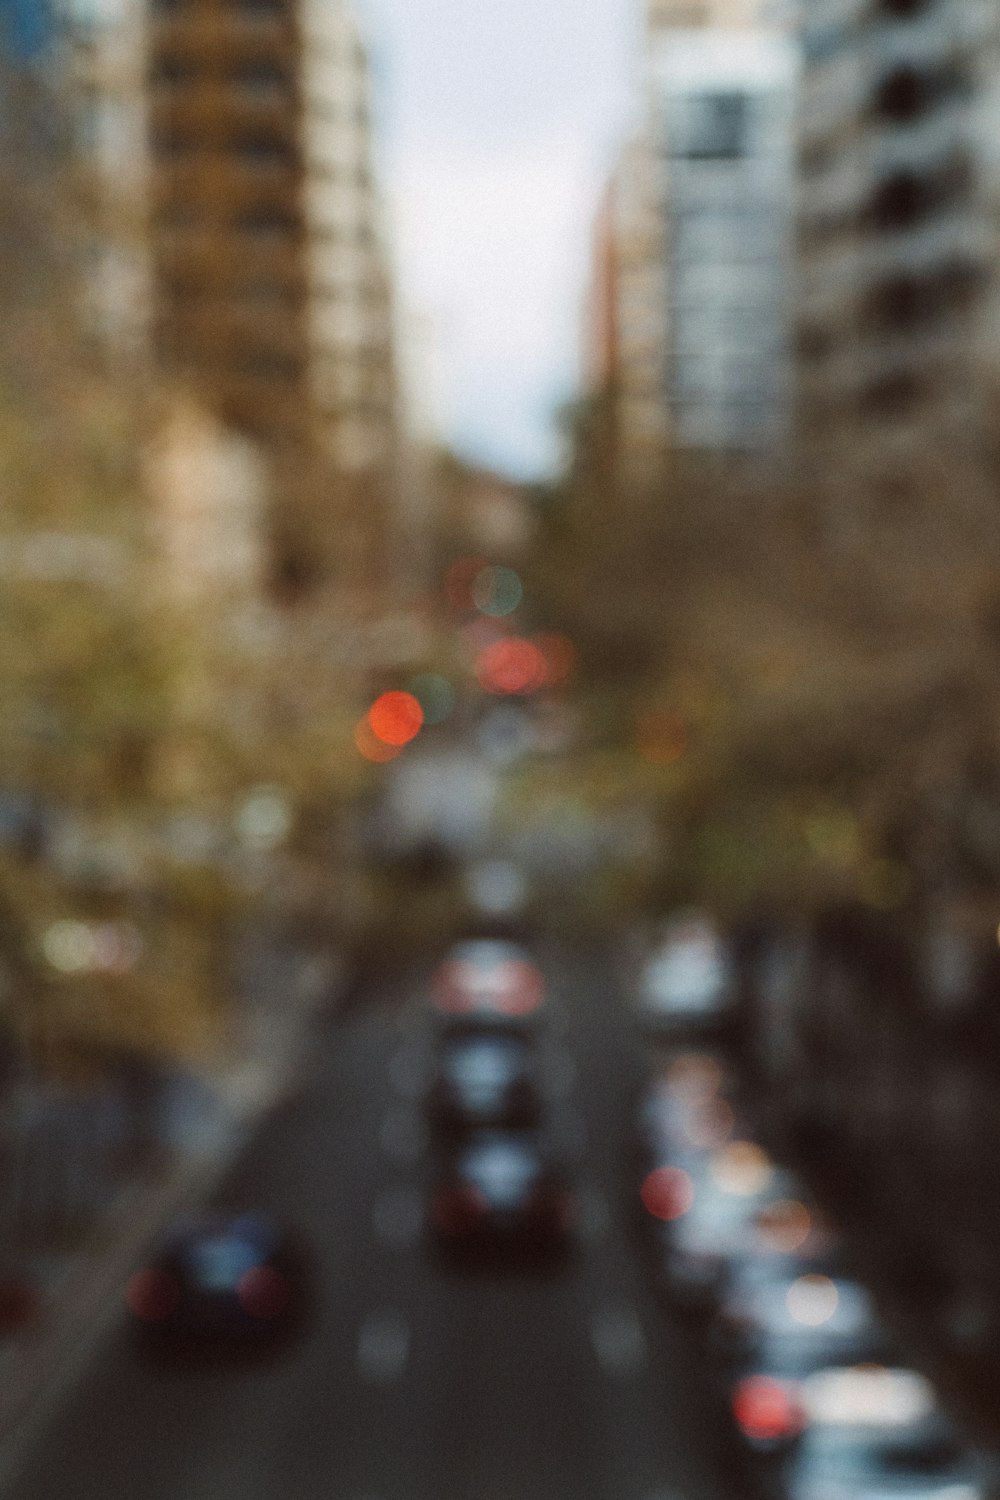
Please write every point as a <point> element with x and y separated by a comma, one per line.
<point>414,1383</point>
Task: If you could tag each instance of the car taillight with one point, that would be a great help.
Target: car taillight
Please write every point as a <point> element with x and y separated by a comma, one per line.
<point>263,1292</point>
<point>152,1294</point>
<point>767,1410</point>
<point>667,1193</point>
<point>521,988</point>
<point>457,1208</point>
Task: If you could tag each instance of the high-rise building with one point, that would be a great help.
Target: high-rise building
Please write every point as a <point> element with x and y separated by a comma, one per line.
<point>723,101</point>
<point>249,249</point>
<point>699,250</point>
<point>899,216</point>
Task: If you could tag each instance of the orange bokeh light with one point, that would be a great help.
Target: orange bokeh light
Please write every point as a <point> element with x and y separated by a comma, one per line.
<point>396,718</point>
<point>371,748</point>
<point>512,666</point>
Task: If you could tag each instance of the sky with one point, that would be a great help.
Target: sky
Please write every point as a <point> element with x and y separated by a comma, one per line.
<point>498,124</point>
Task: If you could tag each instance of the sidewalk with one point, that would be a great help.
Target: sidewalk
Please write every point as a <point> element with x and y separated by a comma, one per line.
<point>80,1292</point>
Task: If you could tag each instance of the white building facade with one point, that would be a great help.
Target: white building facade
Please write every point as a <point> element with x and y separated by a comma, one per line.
<point>723,112</point>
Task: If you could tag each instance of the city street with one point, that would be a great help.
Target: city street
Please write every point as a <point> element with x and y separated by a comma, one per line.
<point>413,1383</point>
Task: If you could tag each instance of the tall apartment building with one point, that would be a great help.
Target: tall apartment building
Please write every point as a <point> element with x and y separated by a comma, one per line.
<point>699,252</point>
<point>899,229</point>
<point>724,102</point>
<point>252,259</point>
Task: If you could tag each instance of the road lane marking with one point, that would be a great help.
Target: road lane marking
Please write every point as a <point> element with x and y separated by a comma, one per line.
<point>618,1339</point>
<point>403,1135</point>
<point>383,1348</point>
<point>398,1217</point>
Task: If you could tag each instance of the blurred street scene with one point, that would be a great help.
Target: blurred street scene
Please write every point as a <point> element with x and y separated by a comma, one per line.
<point>499,892</point>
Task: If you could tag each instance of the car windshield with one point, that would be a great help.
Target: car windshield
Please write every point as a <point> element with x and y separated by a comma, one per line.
<point>484,1062</point>
<point>504,1169</point>
<point>218,1263</point>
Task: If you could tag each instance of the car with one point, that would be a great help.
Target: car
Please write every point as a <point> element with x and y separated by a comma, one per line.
<point>488,977</point>
<point>785,1323</point>
<point>218,1283</point>
<point>498,1195</point>
<point>687,988</point>
<point>873,1432</point>
<point>484,1077</point>
<point>705,1216</point>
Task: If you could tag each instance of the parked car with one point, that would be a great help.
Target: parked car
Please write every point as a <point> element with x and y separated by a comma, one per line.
<point>705,1218</point>
<point>484,1077</point>
<point>498,1194</point>
<point>218,1283</point>
<point>874,1432</point>
<point>687,987</point>
<point>784,1324</point>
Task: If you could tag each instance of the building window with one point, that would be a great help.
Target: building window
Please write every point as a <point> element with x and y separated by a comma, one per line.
<point>894,395</point>
<point>261,77</point>
<point>259,7</point>
<point>171,71</point>
<point>712,127</point>
<point>266,221</point>
<point>901,199</point>
<point>904,9</point>
<point>263,151</point>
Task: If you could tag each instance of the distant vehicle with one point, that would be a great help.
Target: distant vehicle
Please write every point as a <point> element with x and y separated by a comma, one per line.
<point>488,977</point>
<point>218,1283</point>
<point>706,1219</point>
<point>498,1195</point>
<point>686,986</point>
<point>876,1433</point>
<point>485,1077</point>
<point>775,1323</point>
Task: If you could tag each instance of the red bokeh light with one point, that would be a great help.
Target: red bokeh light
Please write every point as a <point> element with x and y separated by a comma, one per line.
<point>371,748</point>
<point>667,1193</point>
<point>512,666</point>
<point>767,1410</point>
<point>396,718</point>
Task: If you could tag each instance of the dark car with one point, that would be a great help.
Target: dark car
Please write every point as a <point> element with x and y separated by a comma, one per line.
<point>488,978</point>
<point>498,1195</point>
<point>219,1284</point>
<point>483,1078</point>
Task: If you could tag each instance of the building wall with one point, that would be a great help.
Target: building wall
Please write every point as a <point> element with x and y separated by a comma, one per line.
<point>700,249</point>
<point>254,258</point>
<point>897,234</point>
<point>724,110</point>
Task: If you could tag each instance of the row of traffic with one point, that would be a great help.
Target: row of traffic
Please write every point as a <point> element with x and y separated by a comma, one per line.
<point>824,1403</point>
<point>497,1190</point>
<point>222,1281</point>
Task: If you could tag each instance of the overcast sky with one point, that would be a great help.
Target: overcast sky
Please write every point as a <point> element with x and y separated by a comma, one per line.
<point>499,122</point>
